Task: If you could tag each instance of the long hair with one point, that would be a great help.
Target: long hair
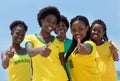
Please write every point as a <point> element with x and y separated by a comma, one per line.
<point>74,41</point>
<point>98,21</point>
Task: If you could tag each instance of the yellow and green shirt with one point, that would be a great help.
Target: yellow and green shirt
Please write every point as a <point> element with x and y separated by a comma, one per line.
<point>83,67</point>
<point>19,68</point>
<point>50,68</point>
<point>106,65</point>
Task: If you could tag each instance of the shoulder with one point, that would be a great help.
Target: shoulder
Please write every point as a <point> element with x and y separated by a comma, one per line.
<point>90,42</point>
<point>68,40</point>
<point>29,36</point>
<point>92,45</point>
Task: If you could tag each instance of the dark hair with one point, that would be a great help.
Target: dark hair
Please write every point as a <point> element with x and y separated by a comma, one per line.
<point>46,11</point>
<point>65,20</point>
<point>19,23</point>
<point>74,41</point>
<point>98,21</point>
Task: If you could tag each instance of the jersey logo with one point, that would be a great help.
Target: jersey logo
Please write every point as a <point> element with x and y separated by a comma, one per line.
<point>22,61</point>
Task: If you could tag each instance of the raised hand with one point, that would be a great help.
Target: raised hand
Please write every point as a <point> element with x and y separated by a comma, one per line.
<point>114,51</point>
<point>83,48</point>
<point>45,52</point>
<point>10,52</point>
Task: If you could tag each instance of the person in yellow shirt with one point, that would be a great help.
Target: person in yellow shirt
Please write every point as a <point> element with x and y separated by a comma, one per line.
<point>82,53</point>
<point>45,48</point>
<point>16,58</point>
<point>61,31</point>
<point>106,50</point>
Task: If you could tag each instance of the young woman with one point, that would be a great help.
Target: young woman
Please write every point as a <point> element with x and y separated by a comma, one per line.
<point>82,53</point>
<point>16,58</point>
<point>45,48</point>
<point>106,50</point>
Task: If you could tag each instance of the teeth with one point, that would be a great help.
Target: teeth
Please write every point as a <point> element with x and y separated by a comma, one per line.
<point>18,39</point>
<point>62,30</point>
<point>50,28</point>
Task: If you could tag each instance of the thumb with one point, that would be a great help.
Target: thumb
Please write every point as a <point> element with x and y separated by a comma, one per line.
<point>110,42</point>
<point>11,49</point>
<point>79,41</point>
<point>48,44</point>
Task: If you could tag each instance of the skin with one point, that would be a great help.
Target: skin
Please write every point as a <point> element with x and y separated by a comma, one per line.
<point>61,30</point>
<point>48,25</point>
<point>79,31</point>
<point>17,37</point>
<point>97,33</point>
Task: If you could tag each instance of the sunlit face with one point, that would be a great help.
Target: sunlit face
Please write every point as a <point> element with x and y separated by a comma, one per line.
<point>18,35</point>
<point>61,28</point>
<point>79,30</point>
<point>97,32</point>
<point>49,23</point>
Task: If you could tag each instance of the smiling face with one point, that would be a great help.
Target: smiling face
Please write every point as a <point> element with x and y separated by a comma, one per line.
<point>79,30</point>
<point>97,32</point>
<point>18,34</point>
<point>49,23</point>
<point>61,27</point>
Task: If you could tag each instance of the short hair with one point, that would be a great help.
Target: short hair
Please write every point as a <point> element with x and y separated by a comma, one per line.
<point>19,23</point>
<point>65,20</point>
<point>46,11</point>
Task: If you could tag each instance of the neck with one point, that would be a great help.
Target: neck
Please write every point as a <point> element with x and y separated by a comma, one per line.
<point>16,46</point>
<point>98,42</point>
<point>45,37</point>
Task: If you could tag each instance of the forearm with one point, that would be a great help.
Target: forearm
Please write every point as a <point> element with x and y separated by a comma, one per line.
<point>33,51</point>
<point>5,60</point>
<point>5,63</point>
<point>62,59</point>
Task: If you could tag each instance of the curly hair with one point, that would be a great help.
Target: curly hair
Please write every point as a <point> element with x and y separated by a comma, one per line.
<point>19,23</point>
<point>46,11</point>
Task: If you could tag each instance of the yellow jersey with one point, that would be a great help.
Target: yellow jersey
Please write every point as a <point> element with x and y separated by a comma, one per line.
<point>50,68</point>
<point>106,65</point>
<point>83,67</point>
<point>19,68</point>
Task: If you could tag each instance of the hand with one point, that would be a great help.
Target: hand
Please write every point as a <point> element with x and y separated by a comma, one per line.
<point>114,51</point>
<point>10,52</point>
<point>45,52</point>
<point>82,48</point>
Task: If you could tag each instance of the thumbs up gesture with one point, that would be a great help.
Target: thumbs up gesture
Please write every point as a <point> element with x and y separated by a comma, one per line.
<point>45,52</point>
<point>10,52</point>
<point>83,48</point>
<point>113,51</point>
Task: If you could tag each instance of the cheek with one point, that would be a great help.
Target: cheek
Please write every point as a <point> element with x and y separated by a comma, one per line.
<point>73,34</point>
<point>54,27</point>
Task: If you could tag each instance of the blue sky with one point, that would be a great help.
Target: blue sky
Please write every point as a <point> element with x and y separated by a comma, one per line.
<point>26,10</point>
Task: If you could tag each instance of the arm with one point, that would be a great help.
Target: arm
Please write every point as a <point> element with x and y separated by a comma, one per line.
<point>43,51</point>
<point>84,48</point>
<point>5,59</point>
<point>62,59</point>
<point>114,52</point>
<point>63,62</point>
